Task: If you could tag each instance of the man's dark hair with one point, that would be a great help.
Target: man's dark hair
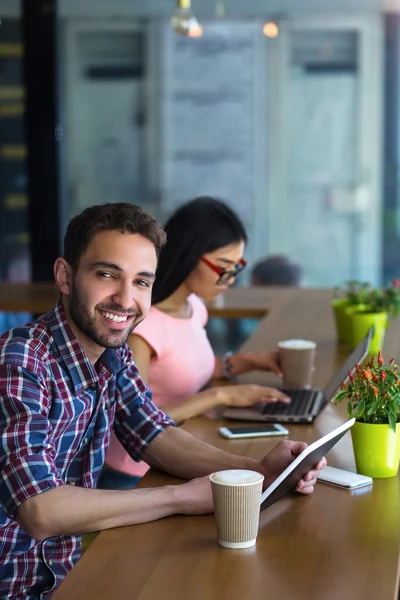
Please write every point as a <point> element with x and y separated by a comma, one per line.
<point>276,270</point>
<point>196,228</point>
<point>123,217</point>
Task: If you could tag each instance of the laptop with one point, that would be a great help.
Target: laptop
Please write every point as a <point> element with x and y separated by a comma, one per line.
<point>306,403</point>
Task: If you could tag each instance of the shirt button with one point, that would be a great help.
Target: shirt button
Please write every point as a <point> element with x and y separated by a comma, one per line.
<point>50,562</point>
<point>85,441</point>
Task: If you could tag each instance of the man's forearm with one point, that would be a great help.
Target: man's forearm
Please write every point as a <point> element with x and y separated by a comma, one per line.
<point>68,510</point>
<point>179,453</point>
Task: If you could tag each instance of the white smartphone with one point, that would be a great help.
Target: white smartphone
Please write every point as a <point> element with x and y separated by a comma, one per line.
<point>252,431</point>
<point>344,479</point>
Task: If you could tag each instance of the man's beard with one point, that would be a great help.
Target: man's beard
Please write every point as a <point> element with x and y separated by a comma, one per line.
<point>87,322</point>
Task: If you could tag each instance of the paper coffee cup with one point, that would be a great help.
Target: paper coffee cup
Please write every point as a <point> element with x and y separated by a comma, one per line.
<point>297,359</point>
<point>237,496</point>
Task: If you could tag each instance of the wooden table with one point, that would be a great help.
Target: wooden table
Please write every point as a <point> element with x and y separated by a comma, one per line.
<point>35,297</point>
<point>334,544</point>
<point>40,297</point>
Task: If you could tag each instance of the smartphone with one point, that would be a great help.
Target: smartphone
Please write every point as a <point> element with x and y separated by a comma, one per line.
<point>252,431</point>
<point>343,479</point>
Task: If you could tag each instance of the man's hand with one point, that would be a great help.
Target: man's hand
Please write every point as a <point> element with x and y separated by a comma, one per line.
<point>281,456</point>
<point>194,497</point>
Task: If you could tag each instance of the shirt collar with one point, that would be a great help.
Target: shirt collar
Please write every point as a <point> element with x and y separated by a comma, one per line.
<point>81,371</point>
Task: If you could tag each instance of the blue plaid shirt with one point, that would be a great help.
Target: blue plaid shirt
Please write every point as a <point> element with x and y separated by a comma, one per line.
<point>56,410</point>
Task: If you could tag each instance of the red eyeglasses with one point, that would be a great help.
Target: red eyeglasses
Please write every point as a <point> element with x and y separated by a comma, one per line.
<point>225,275</point>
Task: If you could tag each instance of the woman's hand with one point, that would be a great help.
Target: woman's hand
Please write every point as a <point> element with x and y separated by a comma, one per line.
<point>247,395</point>
<point>255,361</point>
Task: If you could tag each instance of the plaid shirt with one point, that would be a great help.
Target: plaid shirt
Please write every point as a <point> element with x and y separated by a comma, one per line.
<point>56,410</point>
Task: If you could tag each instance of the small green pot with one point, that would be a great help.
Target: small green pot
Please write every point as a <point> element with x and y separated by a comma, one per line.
<point>361,322</point>
<point>349,311</point>
<point>339,306</point>
<point>376,449</point>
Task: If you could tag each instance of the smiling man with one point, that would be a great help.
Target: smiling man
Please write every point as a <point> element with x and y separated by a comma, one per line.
<point>107,288</point>
<point>69,377</point>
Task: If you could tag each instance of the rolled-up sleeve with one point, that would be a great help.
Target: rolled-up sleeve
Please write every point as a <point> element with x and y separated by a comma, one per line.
<point>27,455</point>
<point>137,419</point>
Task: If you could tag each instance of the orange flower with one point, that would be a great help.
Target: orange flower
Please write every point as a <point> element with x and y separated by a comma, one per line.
<point>380,358</point>
<point>351,376</point>
<point>342,386</point>
<point>375,390</point>
<point>358,369</point>
<point>383,375</point>
<point>391,363</point>
<point>367,374</point>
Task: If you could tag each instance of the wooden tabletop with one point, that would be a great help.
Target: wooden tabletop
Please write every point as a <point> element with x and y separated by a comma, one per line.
<point>40,297</point>
<point>333,544</point>
<point>36,297</point>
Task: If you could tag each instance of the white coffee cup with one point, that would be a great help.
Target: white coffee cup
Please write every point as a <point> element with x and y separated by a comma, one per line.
<point>297,358</point>
<point>237,496</point>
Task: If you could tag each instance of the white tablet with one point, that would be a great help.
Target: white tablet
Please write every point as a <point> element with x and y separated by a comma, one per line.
<point>303,463</point>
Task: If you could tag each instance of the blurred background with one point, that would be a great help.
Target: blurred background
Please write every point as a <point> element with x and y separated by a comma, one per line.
<point>287,109</point>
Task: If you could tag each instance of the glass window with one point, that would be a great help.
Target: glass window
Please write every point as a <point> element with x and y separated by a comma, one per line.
<point>14,236</point>
<point>280,119</point>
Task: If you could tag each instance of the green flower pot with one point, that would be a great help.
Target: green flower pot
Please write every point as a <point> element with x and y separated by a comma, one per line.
<point>360,323</point>
<point>339,306</point>
<point>376,449</point>
<point>349,310</point>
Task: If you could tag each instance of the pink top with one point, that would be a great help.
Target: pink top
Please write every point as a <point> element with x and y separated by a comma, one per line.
<point>183,363</point>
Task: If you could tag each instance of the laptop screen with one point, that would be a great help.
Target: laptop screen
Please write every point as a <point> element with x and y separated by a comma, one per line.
<point>349,364</point>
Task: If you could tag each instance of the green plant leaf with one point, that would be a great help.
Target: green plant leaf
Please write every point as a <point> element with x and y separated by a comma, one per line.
<point>360,409</point>
<point>339,397</point>
<point>392,421</point>
<point>373,408</point>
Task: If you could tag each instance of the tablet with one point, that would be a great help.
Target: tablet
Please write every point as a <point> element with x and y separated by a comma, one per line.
<point>303,463</point>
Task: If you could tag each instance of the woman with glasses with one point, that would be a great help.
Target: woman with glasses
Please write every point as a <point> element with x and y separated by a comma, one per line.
<point>202,258</point>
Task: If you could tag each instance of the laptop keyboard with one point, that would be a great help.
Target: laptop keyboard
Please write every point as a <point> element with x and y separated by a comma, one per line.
<point>302,402</point>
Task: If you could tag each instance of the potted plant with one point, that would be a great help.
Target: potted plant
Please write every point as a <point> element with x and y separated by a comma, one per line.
<point>345,299</point>
<point>377,306</point>
<point>373,398</point>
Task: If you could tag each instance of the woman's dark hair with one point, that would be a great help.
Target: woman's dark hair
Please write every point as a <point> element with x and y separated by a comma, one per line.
<point>200,226</point>
<point>123,217</point>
